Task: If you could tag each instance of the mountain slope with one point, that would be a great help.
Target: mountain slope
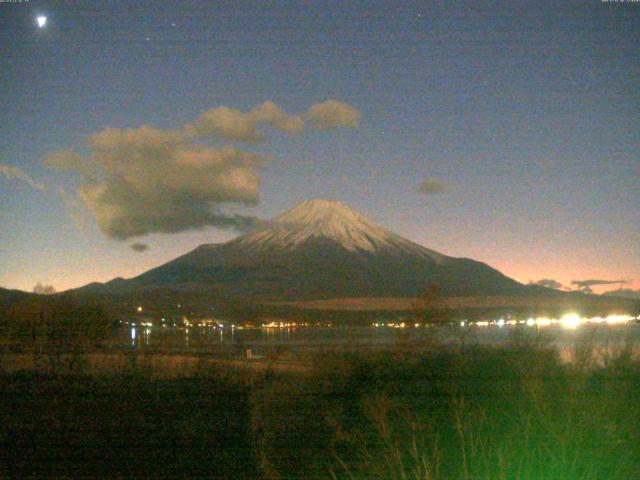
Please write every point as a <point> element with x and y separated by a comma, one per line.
<point>623,293</point>
<point>321,249</point>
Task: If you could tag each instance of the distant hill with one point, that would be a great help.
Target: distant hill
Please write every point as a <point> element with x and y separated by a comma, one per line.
<point>6,294</point>
<point>623,293</point>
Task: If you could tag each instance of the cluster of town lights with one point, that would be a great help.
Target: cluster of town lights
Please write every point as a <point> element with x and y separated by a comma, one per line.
<point>280,324</point>
<point>569,321</point>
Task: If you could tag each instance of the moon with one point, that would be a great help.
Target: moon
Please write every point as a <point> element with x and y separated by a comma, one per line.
<point>41,20</point>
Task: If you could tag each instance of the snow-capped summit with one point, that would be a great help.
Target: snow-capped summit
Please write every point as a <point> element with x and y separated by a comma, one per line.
<point>319,249</point>
<point>321,213</point>
<point>321,219</point>
<point>329,220</point>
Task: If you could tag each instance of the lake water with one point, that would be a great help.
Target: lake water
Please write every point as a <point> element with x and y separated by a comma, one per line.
<point>233,341</point>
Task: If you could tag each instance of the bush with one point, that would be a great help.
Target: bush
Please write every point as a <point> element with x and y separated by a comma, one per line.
<point>482,413</point>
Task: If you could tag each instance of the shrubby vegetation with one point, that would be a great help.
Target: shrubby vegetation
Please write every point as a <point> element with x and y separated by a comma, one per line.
<point>52,328</point>
<point>508,413</point>
<point>516,412</point>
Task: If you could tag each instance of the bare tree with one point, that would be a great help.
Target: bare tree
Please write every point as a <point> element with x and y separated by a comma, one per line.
<point>44,289</point>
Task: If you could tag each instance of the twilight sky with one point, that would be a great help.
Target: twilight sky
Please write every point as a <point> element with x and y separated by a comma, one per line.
<point>131,132</point>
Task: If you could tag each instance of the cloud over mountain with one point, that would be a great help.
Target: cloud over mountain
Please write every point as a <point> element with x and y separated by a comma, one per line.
<point>137,181</point>
<point>149,180</point>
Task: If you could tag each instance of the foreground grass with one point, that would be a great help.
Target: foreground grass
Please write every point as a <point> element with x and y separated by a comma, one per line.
<point>515,412</point>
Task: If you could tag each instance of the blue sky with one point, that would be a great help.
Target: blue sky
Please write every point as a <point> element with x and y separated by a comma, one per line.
<point>527,112</point>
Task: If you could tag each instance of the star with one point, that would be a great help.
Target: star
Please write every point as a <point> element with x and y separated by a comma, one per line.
<point>41,20</point>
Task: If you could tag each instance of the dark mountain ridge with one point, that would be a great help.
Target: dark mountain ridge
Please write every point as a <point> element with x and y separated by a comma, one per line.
<point>319,249</point>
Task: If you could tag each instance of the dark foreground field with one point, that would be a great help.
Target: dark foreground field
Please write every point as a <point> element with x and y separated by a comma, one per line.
<point>510,413</point>
<point>127,426</point>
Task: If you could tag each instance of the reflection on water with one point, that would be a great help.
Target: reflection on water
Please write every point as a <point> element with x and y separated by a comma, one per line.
<point>235,340</point>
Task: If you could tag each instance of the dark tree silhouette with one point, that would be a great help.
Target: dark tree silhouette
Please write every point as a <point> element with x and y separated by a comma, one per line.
<point>44,289</point>
<point>54,325</point>
<point>431,306</point>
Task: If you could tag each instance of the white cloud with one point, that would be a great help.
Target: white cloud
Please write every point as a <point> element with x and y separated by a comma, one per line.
<point>333,113</point>
<point>231,124</point>
<point>149,180</point>
<point>74,207</point>
<point>143,180</point>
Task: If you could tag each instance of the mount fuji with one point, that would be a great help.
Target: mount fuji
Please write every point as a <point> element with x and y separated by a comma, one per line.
<point>320,249</point>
